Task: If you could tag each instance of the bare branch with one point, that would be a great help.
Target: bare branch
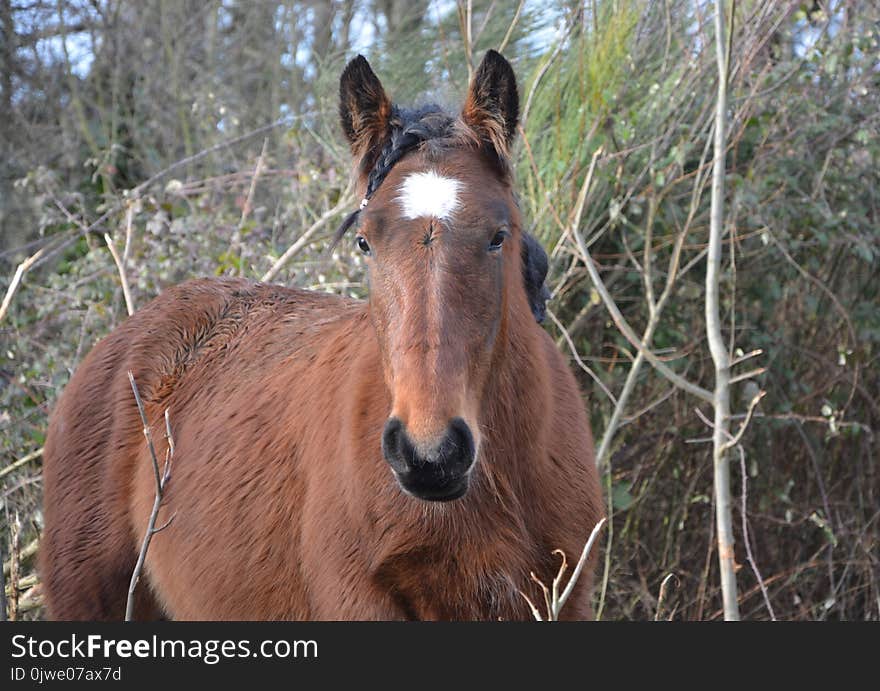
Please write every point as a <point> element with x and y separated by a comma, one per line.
<point>161,481</point>
<point>465,14</point>
<point>745,531</point>
<point>563,566</point>
<point>26,552</point>
<point>535,613</point>
<point>510,28</point>
<point>721,397</point>
<point>22,269</point>
<point>624,327</point>
<point>576,574</point>
<point>3,614</point>
<point>24,460</point>
<point>547,601</point>
<point>662,595</point>
<point>705,420</point>
<point>751,374</point>
<point>746,356</point>
<point>653,404</point>
<point>345,200</point>
<point>735,439</point>
<point>553,601</point>
<point>165,524</point>
<point>120,267</point>
<point>577,358</point>
<point>15,569</point>
<point>248,205</point>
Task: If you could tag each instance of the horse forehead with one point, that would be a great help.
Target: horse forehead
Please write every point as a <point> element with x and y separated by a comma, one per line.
<point>429,193</point>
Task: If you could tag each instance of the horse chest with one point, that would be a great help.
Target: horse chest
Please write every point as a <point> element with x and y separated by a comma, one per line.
<point>433,584</point>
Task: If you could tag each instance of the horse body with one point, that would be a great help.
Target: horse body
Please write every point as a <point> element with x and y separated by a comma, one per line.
<point>283,503</point>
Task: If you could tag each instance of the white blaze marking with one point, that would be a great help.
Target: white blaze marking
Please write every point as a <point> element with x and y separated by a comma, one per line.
<point>429,194</point>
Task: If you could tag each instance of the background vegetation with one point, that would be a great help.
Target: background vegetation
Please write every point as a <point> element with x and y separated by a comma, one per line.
<point>201,137</point>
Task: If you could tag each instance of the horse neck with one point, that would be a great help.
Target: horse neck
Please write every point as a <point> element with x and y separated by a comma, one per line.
<point>489,539</point>
<point>516,395</point>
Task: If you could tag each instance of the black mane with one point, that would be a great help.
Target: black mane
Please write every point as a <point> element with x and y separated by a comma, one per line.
<point>409,129</point>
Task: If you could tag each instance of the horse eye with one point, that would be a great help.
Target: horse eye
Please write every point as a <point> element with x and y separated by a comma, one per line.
<point>362,244</point>
<point>497,240</point>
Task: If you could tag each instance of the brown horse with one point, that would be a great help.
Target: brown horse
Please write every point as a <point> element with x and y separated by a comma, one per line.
<point>411,457</point>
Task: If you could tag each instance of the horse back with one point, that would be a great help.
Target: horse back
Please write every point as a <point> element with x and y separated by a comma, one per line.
<point>189,350</point>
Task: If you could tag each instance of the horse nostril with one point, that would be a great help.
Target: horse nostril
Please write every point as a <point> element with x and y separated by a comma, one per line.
<point>457,448</point>
<point>396,446</point>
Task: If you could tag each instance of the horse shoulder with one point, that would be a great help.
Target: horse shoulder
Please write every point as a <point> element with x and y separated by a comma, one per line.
<point>578,495</point>
<point>249,412</point>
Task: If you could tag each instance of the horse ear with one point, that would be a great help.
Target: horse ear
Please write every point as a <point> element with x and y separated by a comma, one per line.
<point>364,109</point>
<point>492,105</point>
<point>534,268</point>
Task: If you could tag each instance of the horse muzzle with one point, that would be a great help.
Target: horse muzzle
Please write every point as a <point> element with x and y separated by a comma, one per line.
<point>437,471</point>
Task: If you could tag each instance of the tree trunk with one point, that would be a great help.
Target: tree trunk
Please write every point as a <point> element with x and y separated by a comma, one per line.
<point>720,356</point>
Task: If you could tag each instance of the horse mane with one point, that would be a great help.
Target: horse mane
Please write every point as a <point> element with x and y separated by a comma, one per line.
<point>426,127</point>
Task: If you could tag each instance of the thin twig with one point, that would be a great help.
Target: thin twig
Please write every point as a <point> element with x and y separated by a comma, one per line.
<point>576,574</point>
<point>345,200</point>
<point>553,601</point>
<point>15,570</point>
<point>543,70</point>
<point>629,419</point>
<point>161,481</point>
<point>3,606</point>
<point>609,544</point>
<point>129,222</point>
<point>513,21</point>
<point>120,267</point>
<point>583,194</point>
<point>661,597</point>
<point>746,356</point>
<point>751,374</point>
<point>577,358</point>
<point>464,21</point>
<point>563,567</point>
<point>795,417</point>
<point>486,17</point>
<point>16,280</point>
<point>248,204</point>
<point>535,612</point>
<point>745,531</point>
<point>627,331</point>
<point>24,460</point>
<point>546,591</point>
<point>734,439</point>
<point>704,419</point>
<point>26,552</point>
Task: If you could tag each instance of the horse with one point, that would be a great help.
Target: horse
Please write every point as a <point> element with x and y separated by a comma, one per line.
<point>413,456</point>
